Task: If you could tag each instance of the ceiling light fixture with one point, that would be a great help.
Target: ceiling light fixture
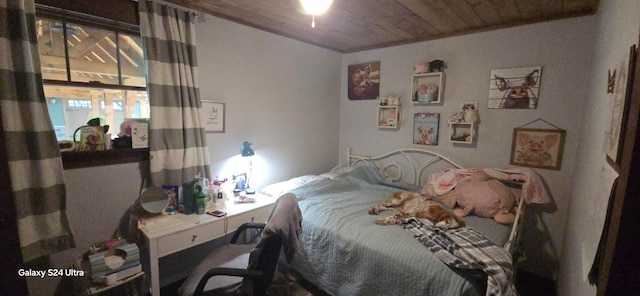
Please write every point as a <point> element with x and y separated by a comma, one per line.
<point>315,7</point>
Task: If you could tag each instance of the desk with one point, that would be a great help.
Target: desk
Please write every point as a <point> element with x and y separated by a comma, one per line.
<point>165,235</point>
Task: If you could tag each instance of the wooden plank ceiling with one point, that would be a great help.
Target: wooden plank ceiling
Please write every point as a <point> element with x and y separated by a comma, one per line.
<point>91,52</point>
<point>356,25</point>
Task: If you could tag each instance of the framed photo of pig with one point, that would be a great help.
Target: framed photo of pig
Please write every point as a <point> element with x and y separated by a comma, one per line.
<point>538,148</point>
<point>515,88</point>
<point>363,81</point>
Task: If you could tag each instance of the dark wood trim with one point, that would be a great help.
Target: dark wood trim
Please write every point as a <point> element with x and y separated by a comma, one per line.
<point>120,11</point>
<point>621,263</point>
<point>75,160</point>
<point>92,85</point>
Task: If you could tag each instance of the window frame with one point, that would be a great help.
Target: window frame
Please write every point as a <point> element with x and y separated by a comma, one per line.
<point>73,159</point>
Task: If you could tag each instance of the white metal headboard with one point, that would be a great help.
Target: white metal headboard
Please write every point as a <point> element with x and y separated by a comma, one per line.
<point>412,165</point>
<point>409,165</point>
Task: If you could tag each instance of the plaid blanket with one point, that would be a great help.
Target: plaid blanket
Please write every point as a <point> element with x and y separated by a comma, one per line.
<point>466,248</point>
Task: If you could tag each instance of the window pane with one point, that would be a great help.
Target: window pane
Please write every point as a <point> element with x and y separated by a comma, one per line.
<point>71,108</point>
<point>132,60</point>
<point>51,47</point>
<point>92,54</point>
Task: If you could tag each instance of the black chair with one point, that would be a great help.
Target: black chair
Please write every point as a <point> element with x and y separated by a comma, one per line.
<point>248,269</point>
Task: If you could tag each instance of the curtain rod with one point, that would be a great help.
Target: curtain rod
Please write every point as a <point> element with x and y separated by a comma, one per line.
<point>199,16</point>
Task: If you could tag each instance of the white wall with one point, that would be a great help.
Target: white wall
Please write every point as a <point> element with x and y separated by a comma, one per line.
<point>282,95</point>
<point>562,48</point>
<point>617,28</point>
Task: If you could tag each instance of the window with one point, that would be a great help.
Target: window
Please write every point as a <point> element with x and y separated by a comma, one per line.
<point>75,104</point>
<point>90,71</point>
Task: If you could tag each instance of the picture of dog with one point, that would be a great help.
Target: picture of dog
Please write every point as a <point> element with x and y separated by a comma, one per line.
<point>407,204</point>
<point>364,81</point>
<point>535,149</point>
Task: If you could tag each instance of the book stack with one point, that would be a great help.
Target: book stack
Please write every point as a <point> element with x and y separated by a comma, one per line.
<point>113,278</point>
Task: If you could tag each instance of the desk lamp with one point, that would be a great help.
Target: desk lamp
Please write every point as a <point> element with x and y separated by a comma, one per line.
<point>248,152</point>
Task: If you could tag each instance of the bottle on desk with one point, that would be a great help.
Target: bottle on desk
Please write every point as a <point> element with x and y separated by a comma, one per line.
<point>200,203</point>
<point>221,198</point>
<point>188,192</point>
<point>219,195</point>
<point>192,193</point>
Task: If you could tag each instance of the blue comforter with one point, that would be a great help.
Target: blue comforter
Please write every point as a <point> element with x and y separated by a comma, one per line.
<point>344,252</point>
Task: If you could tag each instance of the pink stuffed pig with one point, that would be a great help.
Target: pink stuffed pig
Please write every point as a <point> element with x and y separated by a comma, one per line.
<point>421,67</point>
<point>484,197</point>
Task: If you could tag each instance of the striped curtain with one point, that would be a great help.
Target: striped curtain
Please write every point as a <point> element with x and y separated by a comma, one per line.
<point>35,165</point>
<point>177,143</point>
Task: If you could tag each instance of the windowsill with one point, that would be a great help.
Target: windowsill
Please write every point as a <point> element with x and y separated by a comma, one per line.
<point>75,160</point>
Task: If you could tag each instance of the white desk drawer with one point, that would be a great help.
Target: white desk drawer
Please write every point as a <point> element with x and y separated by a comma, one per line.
<point>257,215</point>
<point>189,238</point>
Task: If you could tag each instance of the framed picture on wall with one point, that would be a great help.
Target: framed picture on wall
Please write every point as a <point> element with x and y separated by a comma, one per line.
<point>621,89</point>
<point>425,128</point>
<point>212,116</point>
<point>538,148</point>
<point>515,88</point>
<point>363,81</point>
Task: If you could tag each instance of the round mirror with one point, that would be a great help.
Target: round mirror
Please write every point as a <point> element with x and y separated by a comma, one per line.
<point>154,199</point>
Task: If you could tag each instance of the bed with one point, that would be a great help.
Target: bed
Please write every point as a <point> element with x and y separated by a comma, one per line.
<point>343,252</point>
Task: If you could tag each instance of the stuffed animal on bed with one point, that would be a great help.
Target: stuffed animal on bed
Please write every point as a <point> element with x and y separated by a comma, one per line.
<point>482,196</point>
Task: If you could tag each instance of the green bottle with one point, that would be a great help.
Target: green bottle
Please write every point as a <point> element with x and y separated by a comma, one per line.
<point>200,202</point>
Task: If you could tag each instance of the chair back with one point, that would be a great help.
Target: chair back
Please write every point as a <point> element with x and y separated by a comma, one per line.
<point>266,263</point>
<point>284,219</point>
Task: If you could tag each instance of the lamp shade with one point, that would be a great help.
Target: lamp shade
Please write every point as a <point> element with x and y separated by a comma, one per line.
<point>316,7</point>
<point>246,149</point>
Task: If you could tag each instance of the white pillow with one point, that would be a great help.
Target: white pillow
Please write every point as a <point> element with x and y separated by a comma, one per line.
<point>277,189</point>
<point>305,179</point>
<point>334,173</point>
<point>280,188</point>
<point>330,175</point>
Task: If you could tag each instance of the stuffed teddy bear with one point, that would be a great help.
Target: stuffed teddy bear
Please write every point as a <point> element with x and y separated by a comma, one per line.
<point>482,196</point>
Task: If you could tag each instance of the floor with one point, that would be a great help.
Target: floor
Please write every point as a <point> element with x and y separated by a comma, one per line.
<point>527,285</point>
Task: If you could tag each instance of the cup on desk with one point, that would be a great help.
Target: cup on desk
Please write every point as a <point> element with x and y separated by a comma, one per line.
<point>107,142</point>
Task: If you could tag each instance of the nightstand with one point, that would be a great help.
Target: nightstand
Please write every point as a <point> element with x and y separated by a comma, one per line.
<point>166,235</point>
